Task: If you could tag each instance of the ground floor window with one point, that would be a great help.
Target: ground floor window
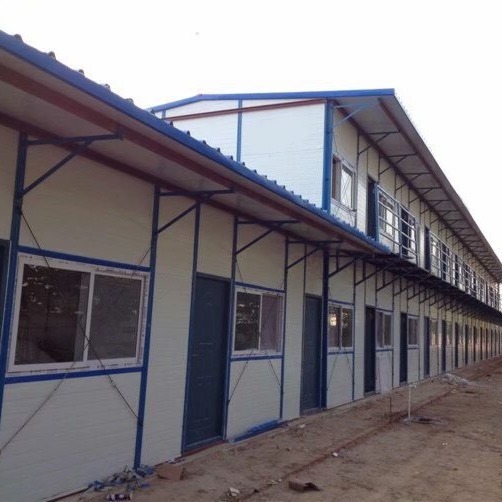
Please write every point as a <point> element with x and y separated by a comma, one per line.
<point>258,321</point>
<point>412,331</point>
<point>434,332</point>
<point>71,314</point>
<point>340,327</point>
<point>383,329</point>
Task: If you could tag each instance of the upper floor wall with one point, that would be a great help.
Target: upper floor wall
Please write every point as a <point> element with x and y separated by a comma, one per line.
<point>315,149</point>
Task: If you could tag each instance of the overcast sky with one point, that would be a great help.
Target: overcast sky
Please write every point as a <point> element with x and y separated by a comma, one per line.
<point>442,57</point>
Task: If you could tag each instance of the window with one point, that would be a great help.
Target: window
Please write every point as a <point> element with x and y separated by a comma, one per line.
<point>449,334</point>
<point>74,315</point>
<point>258,321</point>
<point>388,216</point>
<point>434,332</point>
<point>343,183</point>
<point>412,331</point>
<point>383,329</point>
<point>340,325</point>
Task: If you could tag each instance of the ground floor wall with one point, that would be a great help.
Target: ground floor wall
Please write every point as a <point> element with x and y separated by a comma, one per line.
<point>299,331</point>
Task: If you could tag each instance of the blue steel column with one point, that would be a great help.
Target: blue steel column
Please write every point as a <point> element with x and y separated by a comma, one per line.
<point>324,357</point>
<point>328,156</point>
<point>230,323</point>
<point>148,331</point>
<point>11,272</point>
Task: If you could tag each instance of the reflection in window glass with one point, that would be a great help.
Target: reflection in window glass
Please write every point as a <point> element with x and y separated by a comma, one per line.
<point>52,315</point>
<point>247,321</point>
<point>115,316</point>
<point>346,328</point>
<point>333,326</point>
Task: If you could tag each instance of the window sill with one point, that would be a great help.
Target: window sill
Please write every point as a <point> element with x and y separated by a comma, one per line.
<point>255,356</point>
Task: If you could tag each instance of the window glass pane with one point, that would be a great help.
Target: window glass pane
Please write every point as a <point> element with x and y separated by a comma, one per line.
<point>52,315</point>
<point>347,187</point>
<point>379,329</point>
<point>387,330</point>
<point>335,179</point>
<point>434,332</point>
<point>333,326</point>
<point>346,328</point>
<point>247,321</point>
<point>412,331</point>
<point>271,323</point>
<point>114,319</point>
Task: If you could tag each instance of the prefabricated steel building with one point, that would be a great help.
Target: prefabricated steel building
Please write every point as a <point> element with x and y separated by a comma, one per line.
<point>157,295</point>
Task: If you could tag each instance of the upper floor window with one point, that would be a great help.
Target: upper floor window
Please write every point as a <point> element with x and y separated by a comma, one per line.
<point>343,183</point>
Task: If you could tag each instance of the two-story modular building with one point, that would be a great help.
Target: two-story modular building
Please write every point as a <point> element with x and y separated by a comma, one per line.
<point>157,295</point>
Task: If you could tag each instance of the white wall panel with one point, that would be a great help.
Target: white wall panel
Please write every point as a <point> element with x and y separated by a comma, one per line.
<point>313,284</point>
<point>255,394</point>
<point>286,144</point>
<point>341,285</point>
<point>383,371</point>
<point>87,209</point>
<point>262,263</point>
<point>339,376</point>
<point>215,242</point>
<point>84,432</point>
<point>294,335</point>
<point>169,341</point>
<point>219,131</point>
<point>413,365</point>
<point>8,158</point>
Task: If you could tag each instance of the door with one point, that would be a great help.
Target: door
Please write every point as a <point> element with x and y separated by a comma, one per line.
<point>403,350</point>
<point>207,360</point>
<point>370,351</point>
<point>443,346</point>
<point>466,347</point>
<point>311,356</point>
<point>427,347</point>
<point>457,328</point>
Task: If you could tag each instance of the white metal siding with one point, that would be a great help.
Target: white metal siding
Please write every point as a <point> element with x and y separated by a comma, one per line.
<point>85,431</point>
<point>255,398</point>
<point>202,107</point>
<point>339,376</point>
<point>215,242</point>
<point>286,144</point>
<point>169,340</point>
<point>219,131</point>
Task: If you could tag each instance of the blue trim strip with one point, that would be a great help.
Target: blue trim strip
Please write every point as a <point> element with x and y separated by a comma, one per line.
<point>235,359</point>
<point>81,259</point>
<point>254,286</point>
<point>384,350</point>
<point>324,329</point>
<point>354,277</point>
<point>42,377</point>
<point>238,152</point>
<point>191,328</point>
<point>11,277</point>
<point>340,352</point>
<point>148,331</point>
<point>364,93</point>
<point>328,157</point>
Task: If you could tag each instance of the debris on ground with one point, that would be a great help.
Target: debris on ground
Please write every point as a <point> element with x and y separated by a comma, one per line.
<point>233,492</point>
<point>454,380</point>
<point>334,454</point>
<point>299,485</point>
<point>425,420</point>
<point>128,479</point>
<point>119,496</point>
<point>301,426</point>
<point>171,472</point>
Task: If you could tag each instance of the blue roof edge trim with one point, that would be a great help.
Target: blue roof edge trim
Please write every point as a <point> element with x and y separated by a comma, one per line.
<point>361,93</point>
<point>57,69</point>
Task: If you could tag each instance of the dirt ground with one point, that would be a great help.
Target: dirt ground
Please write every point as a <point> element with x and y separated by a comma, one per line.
<point>379,456</point>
